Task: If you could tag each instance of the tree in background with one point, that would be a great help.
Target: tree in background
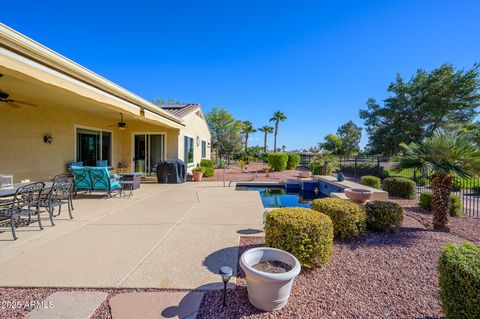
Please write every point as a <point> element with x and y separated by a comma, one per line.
<point>446,154</point>
<point>331,143</point>
<point>170,101</point>
<point>225,131</point>
<point>324,163</point>
<point>246,130</point>
<point>277,118</point>
<point>265,130</point>
<point>350,135</point>
<point>284,148</point>
<point>420,105</point>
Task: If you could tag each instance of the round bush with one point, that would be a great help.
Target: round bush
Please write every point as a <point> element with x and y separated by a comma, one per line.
<point>459,269</point>
<point>278,161</point>
<point>383,216</point>
<point>208,172</point>
<point>206,163</point>
<point>370,181</point>
<point>305,233</point>
<point>425,202</point>
<point>400,187</point>
<point>349,218</point>
<point>293,161</point>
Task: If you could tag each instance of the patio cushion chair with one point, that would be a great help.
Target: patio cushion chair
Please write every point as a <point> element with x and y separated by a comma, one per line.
<point>59,194</point>
<point>101,163</point>
<point>25,203</point>
<point>81,175</point>
<point>64,177</point>
<point>103,180</point>
<point>74,164</point>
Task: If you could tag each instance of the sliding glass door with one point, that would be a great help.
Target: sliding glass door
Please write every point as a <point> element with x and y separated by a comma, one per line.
<point>148,152</point>
<point>92,146</point>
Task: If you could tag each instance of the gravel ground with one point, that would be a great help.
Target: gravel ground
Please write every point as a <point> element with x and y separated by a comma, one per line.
<point>378,276</point>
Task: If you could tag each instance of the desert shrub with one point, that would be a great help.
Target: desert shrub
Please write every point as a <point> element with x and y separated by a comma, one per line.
<point>206,163</point>
<point>401,187</point>
<point>459,269</point>
<point>278,161</point>
<point>293,161</point>
<point>425,202</point>
<point>306,234</point>
<point>383,216</point>
<point>365,169</point>
<point>349,218</point>
<point>208,172</point>
<point>371,181</point>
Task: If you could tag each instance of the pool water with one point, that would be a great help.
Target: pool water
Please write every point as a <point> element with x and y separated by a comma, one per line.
<point>279,197</point>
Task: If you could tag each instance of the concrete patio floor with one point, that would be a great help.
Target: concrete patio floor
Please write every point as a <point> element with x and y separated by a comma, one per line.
<point>165,236</point>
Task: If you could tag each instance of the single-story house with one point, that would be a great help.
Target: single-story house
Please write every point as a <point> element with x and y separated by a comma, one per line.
<point>54,111</point>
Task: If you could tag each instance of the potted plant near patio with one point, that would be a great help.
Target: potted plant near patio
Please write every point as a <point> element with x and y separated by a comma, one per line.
<point>197,174</point>
<point>270,273</point>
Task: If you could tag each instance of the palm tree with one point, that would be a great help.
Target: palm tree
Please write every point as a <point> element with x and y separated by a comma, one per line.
<point>247,129</point>
<point>324,163</point>
<point>266,130</point>
<point>447,154</point>
<point>277,117</point>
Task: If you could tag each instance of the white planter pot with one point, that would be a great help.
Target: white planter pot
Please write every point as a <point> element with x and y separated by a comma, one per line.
<point>268,291</point>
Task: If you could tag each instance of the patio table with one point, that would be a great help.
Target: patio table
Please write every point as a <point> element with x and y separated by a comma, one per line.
<point>7,191</point>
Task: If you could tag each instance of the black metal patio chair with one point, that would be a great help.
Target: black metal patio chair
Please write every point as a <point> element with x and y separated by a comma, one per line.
<point>25,203</point>
<point>60,194</point>
<point>67,177</point>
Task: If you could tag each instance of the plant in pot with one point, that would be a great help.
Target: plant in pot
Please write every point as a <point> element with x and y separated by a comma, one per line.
<point>198,173</point>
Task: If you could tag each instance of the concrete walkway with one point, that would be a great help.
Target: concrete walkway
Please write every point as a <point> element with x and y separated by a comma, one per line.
<point>166,236</point>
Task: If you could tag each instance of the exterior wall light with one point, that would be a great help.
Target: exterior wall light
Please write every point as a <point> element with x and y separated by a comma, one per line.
<point>48,138</point>
<point>198,140</point>
<point>226,273</point>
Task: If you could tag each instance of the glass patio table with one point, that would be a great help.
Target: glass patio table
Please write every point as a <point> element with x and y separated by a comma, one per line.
<point>8,191</point>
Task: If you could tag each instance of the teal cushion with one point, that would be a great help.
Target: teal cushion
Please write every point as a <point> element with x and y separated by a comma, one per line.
<point>116,185</point>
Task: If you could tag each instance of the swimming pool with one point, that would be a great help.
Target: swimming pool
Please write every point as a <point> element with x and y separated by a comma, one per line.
<point>273,196</point>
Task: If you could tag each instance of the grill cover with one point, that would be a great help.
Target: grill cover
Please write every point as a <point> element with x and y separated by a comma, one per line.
<point>171,172</point>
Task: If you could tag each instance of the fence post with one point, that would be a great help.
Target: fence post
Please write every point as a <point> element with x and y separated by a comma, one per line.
<point>355,170</point>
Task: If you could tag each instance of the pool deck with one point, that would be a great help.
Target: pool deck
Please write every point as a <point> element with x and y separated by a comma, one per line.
<point>165,236</point>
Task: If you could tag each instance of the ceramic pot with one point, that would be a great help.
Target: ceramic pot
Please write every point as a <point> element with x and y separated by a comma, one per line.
<point>197,176</point>
<point>358,194</point>
<point>268,291</point>
<point>340,177</point>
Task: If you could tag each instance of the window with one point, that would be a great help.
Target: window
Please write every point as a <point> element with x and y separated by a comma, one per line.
<point>188,150</point>
<point>204,149</point>
<point>93,146</point>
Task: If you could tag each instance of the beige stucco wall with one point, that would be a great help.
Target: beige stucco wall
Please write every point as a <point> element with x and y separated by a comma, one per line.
<point>24,154</point>
<point>194,126</point>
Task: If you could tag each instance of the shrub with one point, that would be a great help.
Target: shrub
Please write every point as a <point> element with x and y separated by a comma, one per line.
<point>349,219</point>
<point>383,216</point>
<point>198,169</point>
<point>371,181</point>
<point>456,184</point>
<point>459,269</point>
<point>425,202</point>
<point>278,161</point>
<point>401,187</point>
<point>208,172</point>
<point>365,169</point>
<point>206,163</point>
<point>306,234</point>
<point>293,161</point>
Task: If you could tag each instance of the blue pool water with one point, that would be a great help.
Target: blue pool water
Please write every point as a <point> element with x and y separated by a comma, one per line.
<point>279,197</point>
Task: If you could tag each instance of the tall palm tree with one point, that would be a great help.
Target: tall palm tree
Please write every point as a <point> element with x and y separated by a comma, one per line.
<point>277,117</point>
<point>447,154</point>
<point>247,129</point>
<point>265,130</point>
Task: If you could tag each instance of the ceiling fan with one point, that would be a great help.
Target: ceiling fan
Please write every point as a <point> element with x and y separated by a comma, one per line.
<point>13,103</point>
<point>120,125</point>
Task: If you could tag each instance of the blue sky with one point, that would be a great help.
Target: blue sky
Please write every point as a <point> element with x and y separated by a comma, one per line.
<point>316,61</point>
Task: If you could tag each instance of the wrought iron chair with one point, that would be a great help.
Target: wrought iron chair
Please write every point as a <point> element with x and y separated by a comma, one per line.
<point>58,195</point>
<point>25,203</point>
<point>67,177</point>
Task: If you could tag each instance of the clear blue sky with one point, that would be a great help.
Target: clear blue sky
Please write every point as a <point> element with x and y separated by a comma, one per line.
<point>316,61</point>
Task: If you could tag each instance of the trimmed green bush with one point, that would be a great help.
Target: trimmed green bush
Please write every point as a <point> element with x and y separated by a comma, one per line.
<point>365,169</point>
<point>208,171</point>
<point>383,216</point>
<point>305,233</point>
<point>400,187</point>
<point>293,161</point>
<point>371,181</point>
<point>349,218</point>
<point>278,161</point>
<point>459,269</point>
<point>425,202</point>
<point>206,163</point>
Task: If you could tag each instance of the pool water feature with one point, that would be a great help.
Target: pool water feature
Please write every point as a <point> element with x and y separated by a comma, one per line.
<point>277,196</point>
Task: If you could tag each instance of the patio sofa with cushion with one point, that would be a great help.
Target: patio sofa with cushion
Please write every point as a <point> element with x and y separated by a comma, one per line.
<point>95,179</point>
